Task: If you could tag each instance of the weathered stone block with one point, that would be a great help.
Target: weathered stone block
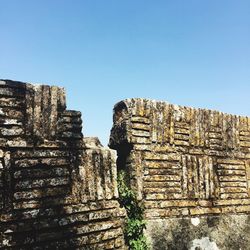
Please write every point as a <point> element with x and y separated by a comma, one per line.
<point>49,175</point>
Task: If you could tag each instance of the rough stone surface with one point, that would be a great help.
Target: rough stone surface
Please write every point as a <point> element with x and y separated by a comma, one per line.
<point>211,233</point>
<point>57,189</point>
<point>186,164</point>
<point>190,169</point>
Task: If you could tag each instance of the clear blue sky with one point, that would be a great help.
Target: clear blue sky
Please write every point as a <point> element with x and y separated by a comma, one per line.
<point>193,53</point>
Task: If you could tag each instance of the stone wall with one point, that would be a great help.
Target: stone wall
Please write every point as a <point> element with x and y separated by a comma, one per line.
<point>190,169</point>
<point>57,189</point>
<point>188,165</point>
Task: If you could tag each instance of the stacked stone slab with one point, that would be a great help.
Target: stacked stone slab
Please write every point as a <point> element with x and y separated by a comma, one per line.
<point>184,163</point>
<point>57,189</point>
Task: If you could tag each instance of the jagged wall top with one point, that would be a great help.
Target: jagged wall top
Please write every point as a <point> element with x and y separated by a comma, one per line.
<point>35,114</point>
<point>145,121</point>
<point>57,189</point>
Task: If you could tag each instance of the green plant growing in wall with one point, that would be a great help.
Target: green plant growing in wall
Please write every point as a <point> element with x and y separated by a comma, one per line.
<point>135,223</point>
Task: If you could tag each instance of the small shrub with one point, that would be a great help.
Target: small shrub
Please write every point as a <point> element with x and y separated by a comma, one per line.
<point>135,224</point>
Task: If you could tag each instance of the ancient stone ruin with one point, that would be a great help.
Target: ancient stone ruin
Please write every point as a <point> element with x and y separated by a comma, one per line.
<point>58,190</point>
<point>189,168</point>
